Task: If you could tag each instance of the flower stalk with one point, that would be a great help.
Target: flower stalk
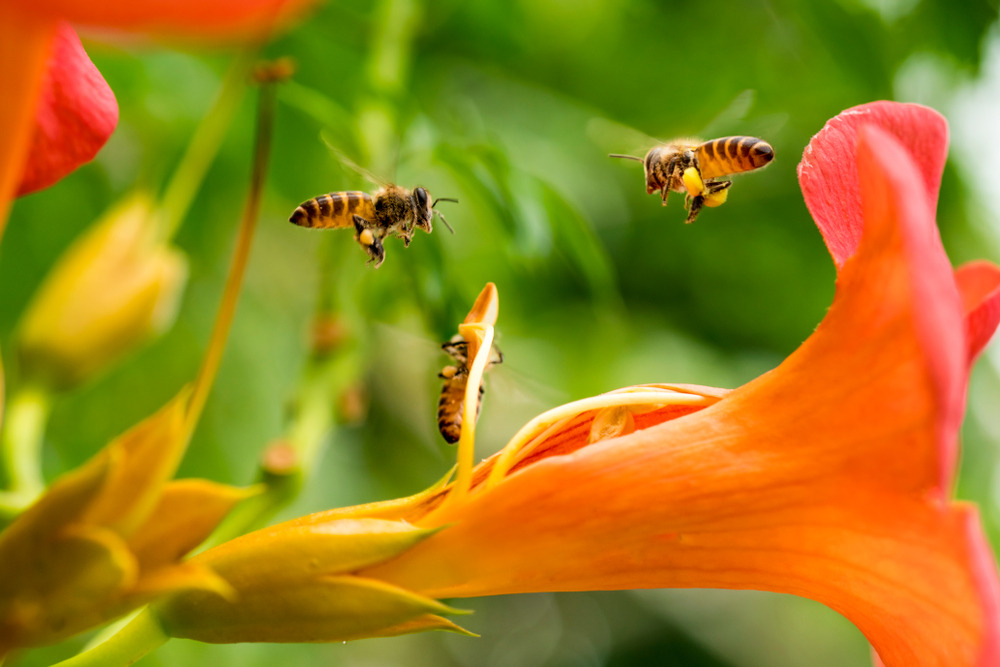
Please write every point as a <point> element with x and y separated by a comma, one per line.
<point>241,255</point>
<point>140,636</point>
<point>201,151</point>
<point>21,449</point>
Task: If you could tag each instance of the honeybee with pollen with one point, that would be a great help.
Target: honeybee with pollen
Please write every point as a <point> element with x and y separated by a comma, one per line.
<point>390,211</point>
<point>451,403</point>
<point>696,168</point>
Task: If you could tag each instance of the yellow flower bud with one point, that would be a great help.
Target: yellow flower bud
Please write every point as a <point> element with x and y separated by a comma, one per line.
<point>116,287</point>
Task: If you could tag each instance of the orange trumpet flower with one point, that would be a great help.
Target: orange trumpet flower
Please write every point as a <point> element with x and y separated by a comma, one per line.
<point>829,477</point>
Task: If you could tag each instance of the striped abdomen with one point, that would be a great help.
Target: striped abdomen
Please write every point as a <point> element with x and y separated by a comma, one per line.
<point>334,210</point>
<point>732,155</point>
<point>451,405</point>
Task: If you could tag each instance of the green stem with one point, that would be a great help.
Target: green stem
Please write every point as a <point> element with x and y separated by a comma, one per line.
<point>326,374</point>
<point>200,153</point>
<point>241,255</point>
<point>135,640</point>
<point>21,449</point>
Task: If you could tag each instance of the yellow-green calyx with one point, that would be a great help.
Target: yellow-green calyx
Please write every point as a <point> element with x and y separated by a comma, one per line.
<point>294,583</point>
<point>109,536</point>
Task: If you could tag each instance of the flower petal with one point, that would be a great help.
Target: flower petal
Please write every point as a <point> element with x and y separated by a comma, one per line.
<point>25,41</point>
<point>979,285</point>
<point>186,513</point>
<point>247,18</point>
<point>76,114</point>
<point>828,172</point>
<point>66,587</point>
<point>423,624</point>
<point>146,456</point>
<point>183,577</point>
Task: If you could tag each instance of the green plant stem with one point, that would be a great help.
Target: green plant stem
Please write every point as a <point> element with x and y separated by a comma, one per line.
<point>21,449</point>
<point>311,428</point>
<point>190,172</point>
<point>241,255</point>
<point>312,425</point>
<point>132,642</point>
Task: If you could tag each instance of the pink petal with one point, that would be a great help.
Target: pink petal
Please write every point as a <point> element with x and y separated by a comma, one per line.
<point>76,114</point>
<point>828,173</point>
<point>979,284</point>
<point>884,163</point>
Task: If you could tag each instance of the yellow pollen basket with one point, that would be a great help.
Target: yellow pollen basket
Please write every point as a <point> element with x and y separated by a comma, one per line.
<point>717,198</point>
<point>692,181</point>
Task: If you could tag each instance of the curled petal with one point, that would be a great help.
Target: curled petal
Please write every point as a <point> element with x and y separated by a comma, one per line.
<point>486,307</point>
<point>979,286</point>
<point>76,114</point>
<point>829,176</point>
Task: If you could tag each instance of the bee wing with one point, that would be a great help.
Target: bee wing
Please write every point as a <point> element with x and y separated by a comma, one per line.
<point>521,387</point>
<point>727,120</point>
<point>614,137</point>
<point>767,126</point>
<point>351,164</point>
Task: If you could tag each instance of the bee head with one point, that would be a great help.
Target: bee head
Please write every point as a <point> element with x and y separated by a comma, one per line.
<point>655,166</point>
<point>424,211</point>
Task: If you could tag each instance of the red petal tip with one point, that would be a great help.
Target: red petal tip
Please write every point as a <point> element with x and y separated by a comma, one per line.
<point>979,284</point>
<point>828,173</point>
<point>76,114</point>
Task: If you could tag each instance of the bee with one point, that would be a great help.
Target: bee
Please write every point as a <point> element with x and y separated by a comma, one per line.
<point>695,167</point>
<point>390,211</point>
<point>451,404</point>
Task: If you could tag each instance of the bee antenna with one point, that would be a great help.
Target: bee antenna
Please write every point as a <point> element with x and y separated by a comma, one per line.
<point>438,213</point>
<point>627,157</point>
<point>443,199</point>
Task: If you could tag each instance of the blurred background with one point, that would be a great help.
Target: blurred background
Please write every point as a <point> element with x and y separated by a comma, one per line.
<point>512,107</point>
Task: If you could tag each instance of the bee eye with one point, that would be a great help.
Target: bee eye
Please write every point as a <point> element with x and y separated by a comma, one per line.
<point>421,196</point>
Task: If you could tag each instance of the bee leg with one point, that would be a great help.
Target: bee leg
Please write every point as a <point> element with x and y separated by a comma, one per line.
<point>696,204</point>
<point>371,243</point>
<point>668,183</point>
<point>716,193</point>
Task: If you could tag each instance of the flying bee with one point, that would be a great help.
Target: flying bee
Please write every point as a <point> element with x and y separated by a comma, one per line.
<point>390,211</point>
<point>451,404</point>
<point>695,167</point>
